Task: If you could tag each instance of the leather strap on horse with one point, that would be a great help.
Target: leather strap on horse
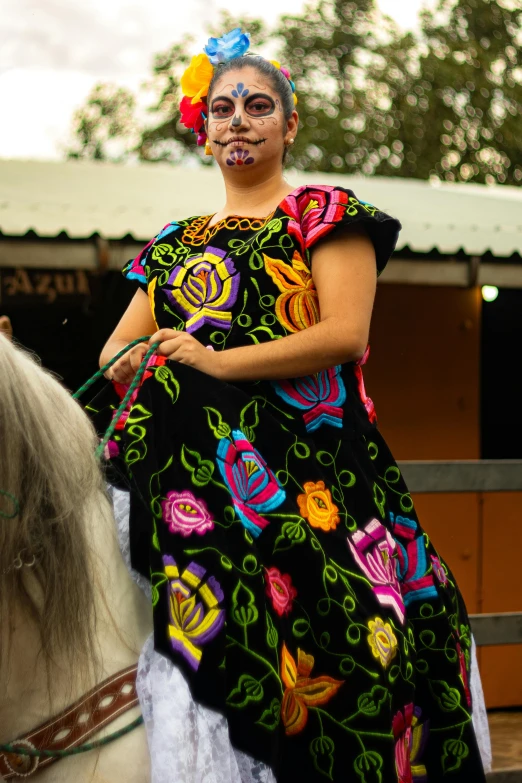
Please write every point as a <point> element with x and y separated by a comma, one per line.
<point>74,726</point>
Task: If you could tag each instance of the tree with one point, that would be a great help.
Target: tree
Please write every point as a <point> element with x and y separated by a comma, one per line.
<point>374,100</point>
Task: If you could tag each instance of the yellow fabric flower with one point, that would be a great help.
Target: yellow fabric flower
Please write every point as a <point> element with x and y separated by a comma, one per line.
<point>317,506</point>
<point>196,79</point>
<point>382,641</point>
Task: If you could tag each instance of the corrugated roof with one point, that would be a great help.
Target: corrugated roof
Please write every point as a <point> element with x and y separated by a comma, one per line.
<point>114,201</point>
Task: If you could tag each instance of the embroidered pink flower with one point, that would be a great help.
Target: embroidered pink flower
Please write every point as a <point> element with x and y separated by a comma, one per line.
<point>280,590</point>
<point>464,674</point>
<point>374,551</point>
<point>313,211</point>
<point>438,570</point>
<point>410,739</point>
<point>185,514</point>
<point>366,401</point>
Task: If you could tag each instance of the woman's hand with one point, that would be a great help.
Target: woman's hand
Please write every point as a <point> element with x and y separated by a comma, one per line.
<point>183,348</point>
<point>124,370</point>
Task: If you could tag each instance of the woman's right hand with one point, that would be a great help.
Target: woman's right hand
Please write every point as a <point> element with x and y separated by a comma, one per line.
<point>125,369</point>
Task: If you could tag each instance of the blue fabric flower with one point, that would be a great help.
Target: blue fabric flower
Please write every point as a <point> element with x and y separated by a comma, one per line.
<point>231,45</point>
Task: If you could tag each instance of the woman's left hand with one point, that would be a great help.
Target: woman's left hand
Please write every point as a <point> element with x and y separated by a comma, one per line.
<point>183,348</point>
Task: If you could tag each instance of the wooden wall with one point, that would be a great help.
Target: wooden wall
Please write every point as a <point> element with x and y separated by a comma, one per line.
<point>424,377</point>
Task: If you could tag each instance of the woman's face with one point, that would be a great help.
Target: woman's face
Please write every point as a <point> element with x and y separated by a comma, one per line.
<point>246,125</point>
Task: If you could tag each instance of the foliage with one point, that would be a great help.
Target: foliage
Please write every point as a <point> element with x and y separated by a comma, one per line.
<point>372,99</point>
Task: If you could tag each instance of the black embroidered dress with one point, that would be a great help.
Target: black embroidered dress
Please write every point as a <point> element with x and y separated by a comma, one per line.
<point>291,580</point>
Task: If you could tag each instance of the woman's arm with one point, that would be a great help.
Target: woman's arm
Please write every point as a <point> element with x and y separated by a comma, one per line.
<point>345,275</point>
<point>137,321</point>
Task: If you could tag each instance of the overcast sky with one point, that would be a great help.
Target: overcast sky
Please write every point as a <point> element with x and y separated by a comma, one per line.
<point>53,51</point>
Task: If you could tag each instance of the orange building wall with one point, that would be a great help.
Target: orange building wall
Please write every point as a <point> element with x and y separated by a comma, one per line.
<point>424,377</point>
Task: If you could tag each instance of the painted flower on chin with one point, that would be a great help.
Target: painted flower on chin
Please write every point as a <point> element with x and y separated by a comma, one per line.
<point>316,505</point>
<point>280,590</point>
<point>410,740</point>
<point>313,211</point>
<point>382,641</point>
<point>298,306</point>
<point>185,514</point>
<point>302,691</point>
<point>374,550</point>
<point>192,623</point>
<point>204,289</point>
<point>232,44</point>
<point>239,157</point>
<point>253,487</point>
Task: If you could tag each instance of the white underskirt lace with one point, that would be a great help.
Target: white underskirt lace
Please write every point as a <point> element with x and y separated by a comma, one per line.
<point>189,743</point>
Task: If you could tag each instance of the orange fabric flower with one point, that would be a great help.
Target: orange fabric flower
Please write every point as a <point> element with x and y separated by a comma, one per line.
<point>317,506</point>
<point>298,306</point>
<point>302,691</point>
<point>196,79</point>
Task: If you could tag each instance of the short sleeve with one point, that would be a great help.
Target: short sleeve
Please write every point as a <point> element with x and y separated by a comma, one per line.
<point>138,269</point>
<point>317,211</point>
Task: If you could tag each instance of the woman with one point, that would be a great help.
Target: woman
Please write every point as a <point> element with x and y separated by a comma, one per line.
<point>263,492</point>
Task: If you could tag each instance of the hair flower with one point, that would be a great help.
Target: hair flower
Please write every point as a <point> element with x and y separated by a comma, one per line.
<point>192,113</point>
<point>232,44</point>
<point>196,79</point>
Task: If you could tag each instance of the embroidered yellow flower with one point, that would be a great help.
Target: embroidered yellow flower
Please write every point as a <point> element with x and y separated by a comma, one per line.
<point>382,641</point>
<point>317,506</point>
<point>196,79</point>
<point>298,306</point>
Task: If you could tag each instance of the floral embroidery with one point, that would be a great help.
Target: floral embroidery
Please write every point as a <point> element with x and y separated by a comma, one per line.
<point>185,514</point>
<point>135,269</point>
<point>121,389</point>
<point>252,485</point>
<point>302,691</point>
<point>313,212</point>
<point>464,673</point>
<point>438,570</point>
<point>382,641</point>
<point>298,306</point>
<point>321,396</point>
<point>366,401</point>
<point>205,289</point>
<point>316,505</point>
<point>280,590</point>
<point>410,740</point>
<point>374,551</point>
<point>416,584</point>
<point>192,624</point>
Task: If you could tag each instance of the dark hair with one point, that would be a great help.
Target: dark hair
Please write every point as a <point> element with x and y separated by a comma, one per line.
<point>277,79</point>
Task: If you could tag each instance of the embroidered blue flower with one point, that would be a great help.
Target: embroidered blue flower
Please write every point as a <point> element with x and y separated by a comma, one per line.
<point>232,44</point>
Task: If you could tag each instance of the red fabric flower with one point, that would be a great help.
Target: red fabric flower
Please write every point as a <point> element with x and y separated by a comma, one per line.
<point>313,212</point>
<point>191,113</point>
<point>280,590</point>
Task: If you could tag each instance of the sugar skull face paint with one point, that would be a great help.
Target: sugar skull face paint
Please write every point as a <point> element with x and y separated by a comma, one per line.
<point>239,157</point>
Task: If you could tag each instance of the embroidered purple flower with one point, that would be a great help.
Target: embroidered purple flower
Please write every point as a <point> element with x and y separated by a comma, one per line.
<point>416,584</point>
<point>232,44</point>
<point>320,396</point>
<point>185,514</point>
<point>252,485</point>
<point>410,740</point>
<point>192,623</point>
<point>438,570</point>
<point>374,551</point>
<point>205,289</point>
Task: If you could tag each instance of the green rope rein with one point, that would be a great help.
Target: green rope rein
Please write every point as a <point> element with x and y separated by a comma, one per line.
<point>14,501</point>
<point>130,391</point>
<point>20,750</point>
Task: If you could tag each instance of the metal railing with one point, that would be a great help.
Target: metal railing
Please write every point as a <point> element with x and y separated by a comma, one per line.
<point>475,476</point>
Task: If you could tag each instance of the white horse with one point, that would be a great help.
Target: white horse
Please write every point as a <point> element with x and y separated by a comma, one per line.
<point>70,615</point>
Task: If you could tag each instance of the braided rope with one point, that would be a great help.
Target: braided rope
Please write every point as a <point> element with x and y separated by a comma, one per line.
<point>20,750</point>
<point>130,391</point>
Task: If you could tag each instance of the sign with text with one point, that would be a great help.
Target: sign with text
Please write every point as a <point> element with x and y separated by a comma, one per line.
<point>38,286</point>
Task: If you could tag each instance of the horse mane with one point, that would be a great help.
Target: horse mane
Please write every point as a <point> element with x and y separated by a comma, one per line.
<point>51,488</point>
